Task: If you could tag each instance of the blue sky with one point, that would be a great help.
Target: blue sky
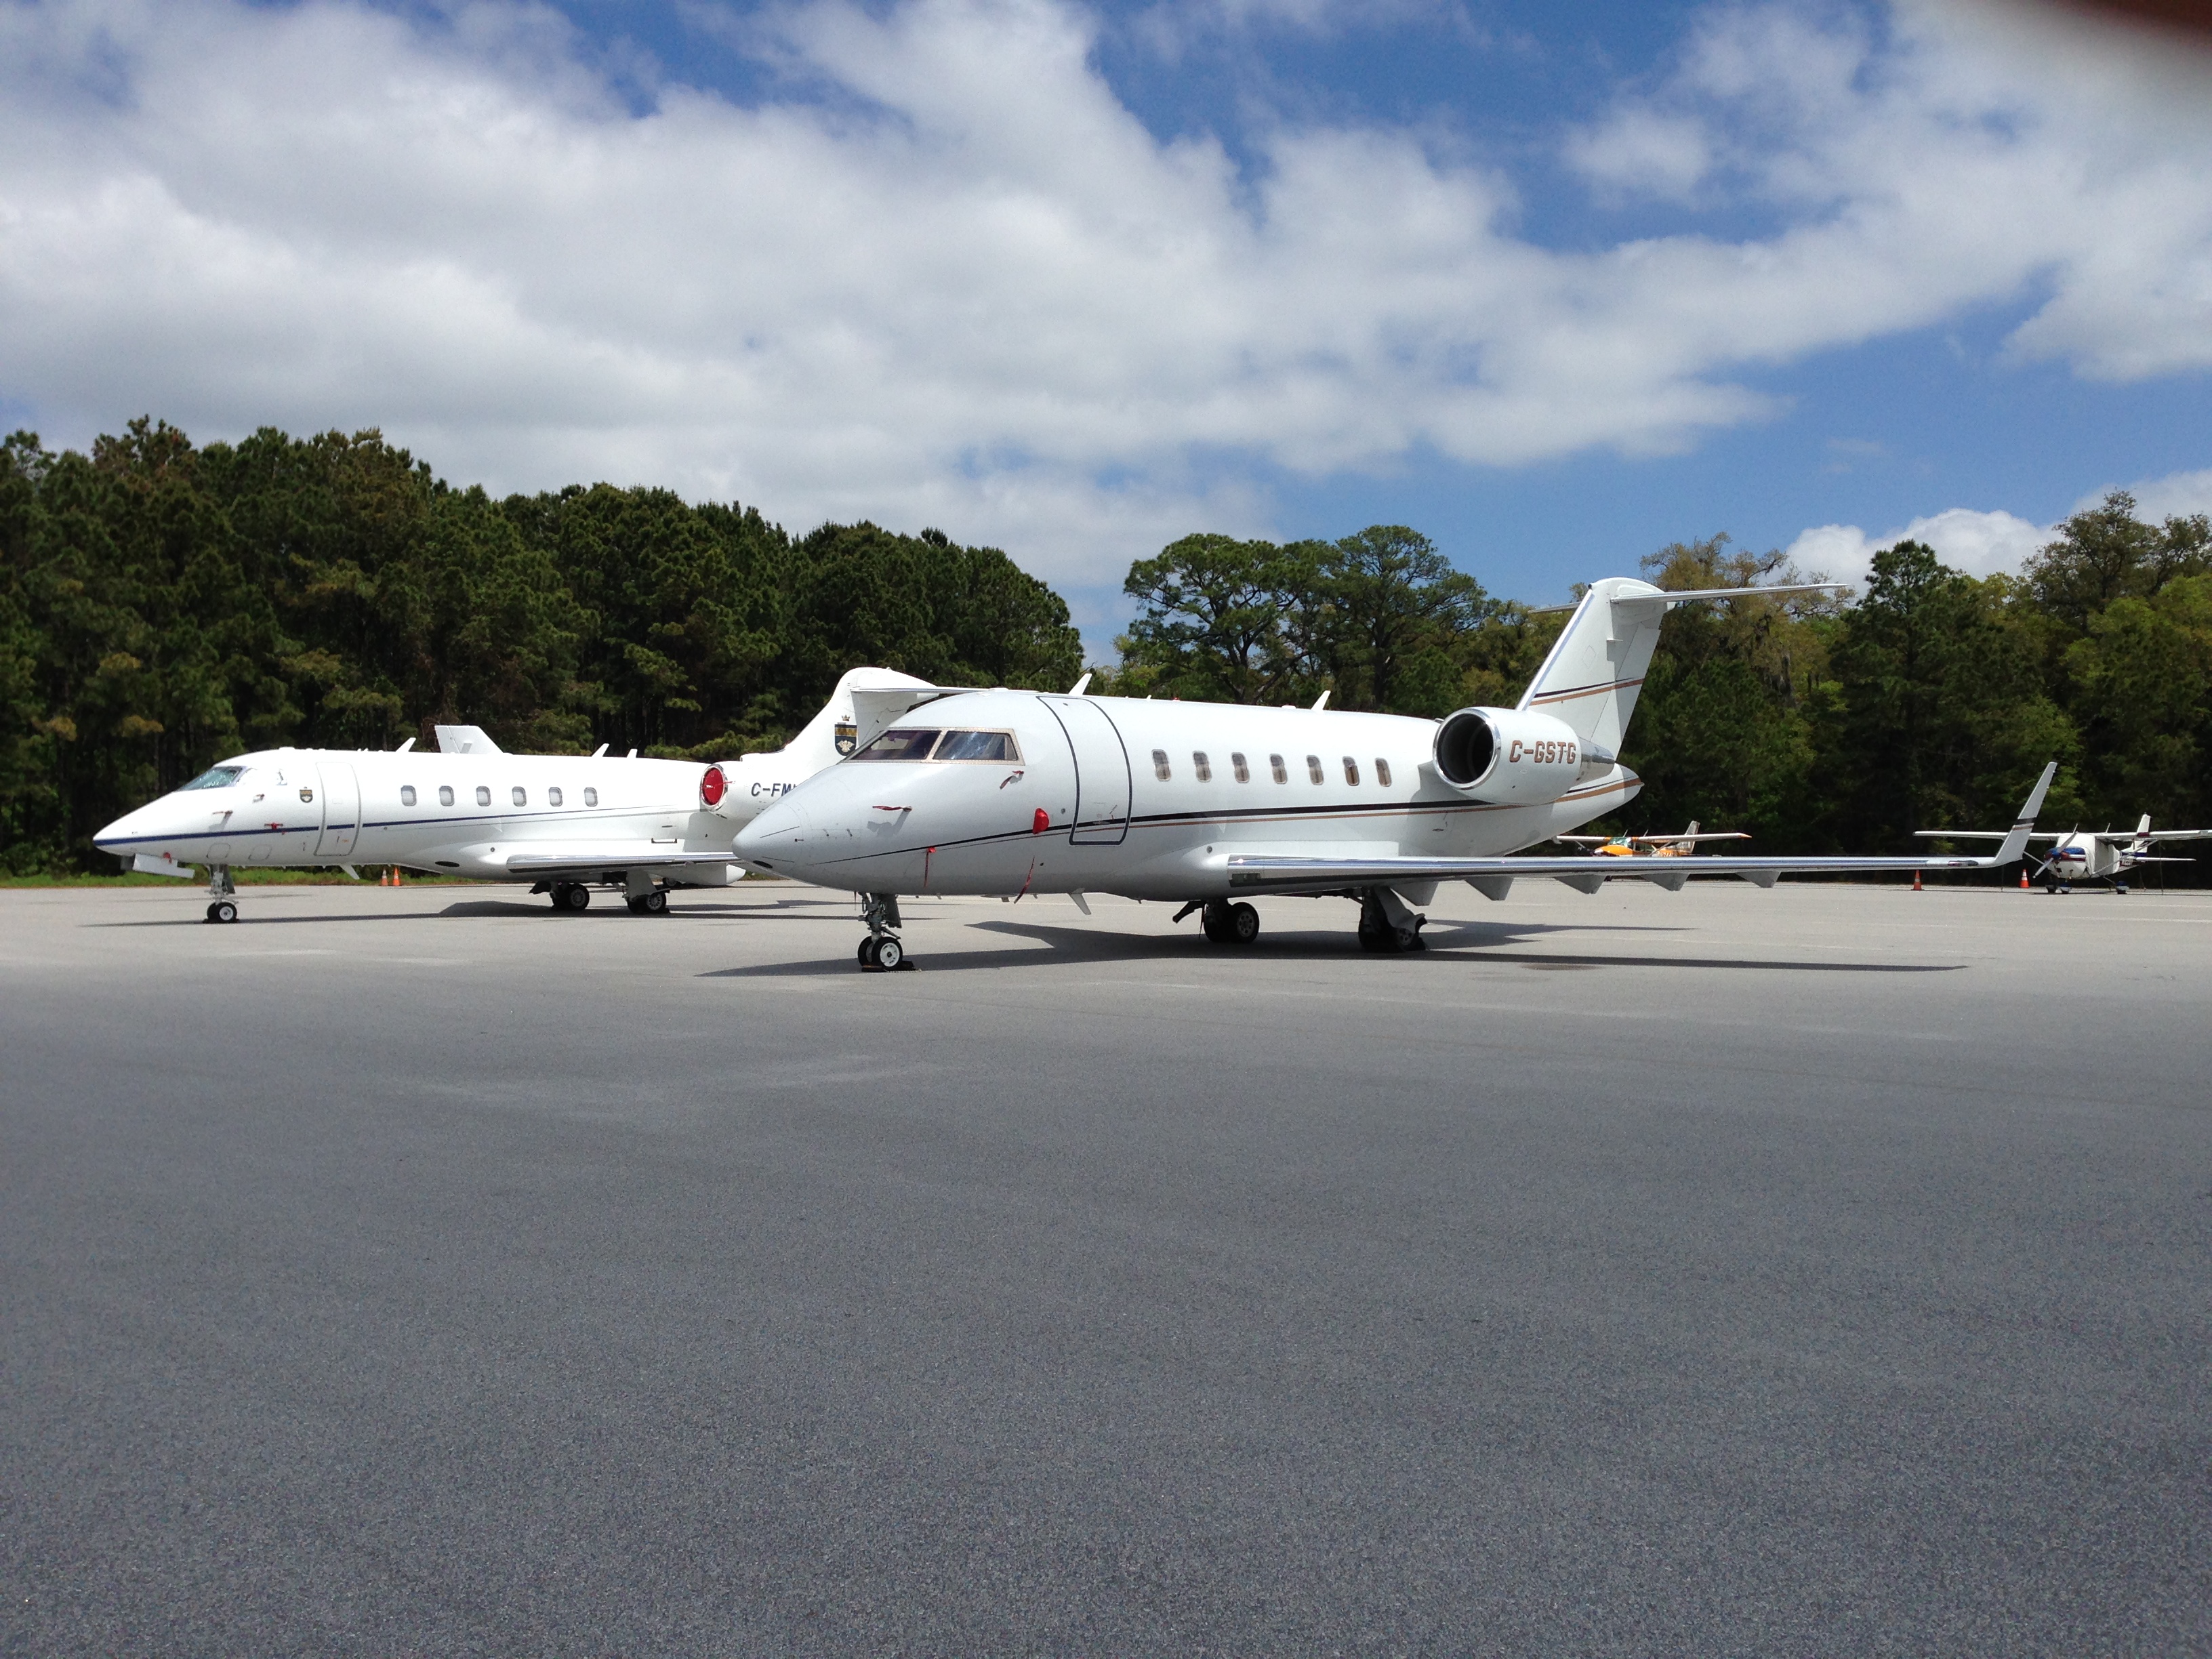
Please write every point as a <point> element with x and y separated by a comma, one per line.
<point>1553,285</point>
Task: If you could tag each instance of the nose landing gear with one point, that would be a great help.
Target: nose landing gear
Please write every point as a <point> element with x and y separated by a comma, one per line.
<point>222,903</point>
<point>881,951</point>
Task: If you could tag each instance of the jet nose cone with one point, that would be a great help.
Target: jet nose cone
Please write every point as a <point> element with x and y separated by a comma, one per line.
<point>776,833</point>
<point>116,837</point>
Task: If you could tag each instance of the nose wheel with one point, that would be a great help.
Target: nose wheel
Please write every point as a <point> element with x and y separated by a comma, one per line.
<point>881,952</point>
<point>222,905</point>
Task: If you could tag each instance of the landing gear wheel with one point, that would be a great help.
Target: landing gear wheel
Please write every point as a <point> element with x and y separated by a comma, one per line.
<point>572,896</point>
<point>654,903</point>
<point>868,952</point>
<point>2120,888</point>
<point>223,910</point>
<point>890,953</point>
<point>1243,924</point>
<point>1406,939</point>
<point>1374,938</point>
<point>1214,919</point>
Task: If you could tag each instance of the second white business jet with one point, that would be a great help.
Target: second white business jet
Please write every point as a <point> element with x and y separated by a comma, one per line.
<point>1008,792</point>
<point>558,822</point>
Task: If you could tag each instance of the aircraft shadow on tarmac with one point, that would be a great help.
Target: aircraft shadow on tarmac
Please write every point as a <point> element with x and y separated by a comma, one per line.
<point>1448,942</point>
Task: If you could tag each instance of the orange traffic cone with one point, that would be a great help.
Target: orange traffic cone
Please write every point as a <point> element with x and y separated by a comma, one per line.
<point>1916,881</point>
<point>2023,878</point>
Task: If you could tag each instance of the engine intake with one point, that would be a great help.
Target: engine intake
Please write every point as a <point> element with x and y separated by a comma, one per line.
<point>1508,756</point>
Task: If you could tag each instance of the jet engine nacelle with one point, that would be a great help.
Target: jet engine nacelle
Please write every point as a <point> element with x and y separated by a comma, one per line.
<point>1507,755</point>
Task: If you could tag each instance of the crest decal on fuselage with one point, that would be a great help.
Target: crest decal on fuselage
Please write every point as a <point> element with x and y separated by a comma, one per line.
<point>848,738</point>
<point>306,794</point>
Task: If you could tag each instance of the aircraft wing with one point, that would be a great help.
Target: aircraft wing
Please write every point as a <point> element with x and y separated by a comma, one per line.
<point>1322,874</point>
<point>2157,835</point>
<point>1999,834</point>
<point>610,859</point>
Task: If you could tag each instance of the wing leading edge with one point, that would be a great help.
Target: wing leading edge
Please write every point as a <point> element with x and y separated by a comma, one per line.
<point>1586,870</point>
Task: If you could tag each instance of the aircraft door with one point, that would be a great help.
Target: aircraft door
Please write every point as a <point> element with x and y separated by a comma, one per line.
<point>1102,771</point>
<point>341,797</point>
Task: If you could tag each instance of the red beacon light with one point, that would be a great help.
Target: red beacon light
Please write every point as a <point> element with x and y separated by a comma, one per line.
<point>712,786</point>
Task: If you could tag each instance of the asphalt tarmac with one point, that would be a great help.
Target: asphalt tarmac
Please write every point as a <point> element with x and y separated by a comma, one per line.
<point>1822,1271</point>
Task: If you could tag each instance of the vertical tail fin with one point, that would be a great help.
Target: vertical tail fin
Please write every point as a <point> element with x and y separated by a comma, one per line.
<point>835,732</point>
<point>1597,667</point>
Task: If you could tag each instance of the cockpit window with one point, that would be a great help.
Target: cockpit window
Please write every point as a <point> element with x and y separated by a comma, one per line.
<point>218,777</point>
<point>916,743</point>
<point>977,746</point>
<point>901,743</point>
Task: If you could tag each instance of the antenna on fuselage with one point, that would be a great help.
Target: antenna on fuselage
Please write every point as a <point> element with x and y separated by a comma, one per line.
<point>1079,687</point>
<point>1320,702</point>
<point>404,747</point>
<point>599,752</point>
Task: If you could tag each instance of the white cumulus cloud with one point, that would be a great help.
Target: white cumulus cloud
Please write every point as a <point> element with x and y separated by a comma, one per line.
<point>942,274</point>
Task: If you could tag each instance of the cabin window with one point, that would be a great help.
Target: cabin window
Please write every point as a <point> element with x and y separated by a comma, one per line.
<point>553,796</point>
<point>1200,768</point>
<point>1313,768</point>
<point>1243,772</point>
<point>1383,771</point>
<point>901,743</point>
<point>521,796</point>
<point>1282,772</point>
<point>483,795</point>
<point>406,794</point>
<point>1351,771</point>
<point>1160,764</point>
<point>591,796</point>
<point>978,746</point>
<point>445,794</point>
<point>218,777</point>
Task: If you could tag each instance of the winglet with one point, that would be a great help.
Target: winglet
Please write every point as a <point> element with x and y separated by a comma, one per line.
<point>2024,825</point>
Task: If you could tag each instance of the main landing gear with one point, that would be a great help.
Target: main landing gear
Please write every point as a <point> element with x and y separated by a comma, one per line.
<point>1231,924</point>
<point>571,895</point>
<point>222,903</point>
<point>881,951</point>
<point>1386,924</point>
<point>654,903</point>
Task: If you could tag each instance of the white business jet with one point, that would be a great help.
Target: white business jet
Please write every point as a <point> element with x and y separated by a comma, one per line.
<point>1009,793</point>
<point>2105,855</point>
<point>558,822</point>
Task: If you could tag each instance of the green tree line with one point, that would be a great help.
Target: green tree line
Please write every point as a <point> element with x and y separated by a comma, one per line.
<point>1816,723</point>
<point>164,604</point>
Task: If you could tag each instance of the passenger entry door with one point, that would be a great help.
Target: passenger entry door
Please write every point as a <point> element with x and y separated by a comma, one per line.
<point>341,812</point>
<point>1101,770</point>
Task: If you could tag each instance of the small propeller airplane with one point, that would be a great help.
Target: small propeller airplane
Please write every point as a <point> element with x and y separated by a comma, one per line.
<point>1004,793</point>
<point>2105,855</point>
<point>1662,847</point>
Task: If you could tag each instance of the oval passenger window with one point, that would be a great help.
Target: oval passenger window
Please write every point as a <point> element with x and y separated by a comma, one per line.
<point>1243,772</point>
<point>1282,773</point>
<point>521,797</point>
<point>553,796</point>
<point>1351,770</point>
<point>591,797</point>
<point>1383,771</point>
<point>1199,767</point>
<point>445,794</point>
<point>483,795</point>
<point>1160,764</point>
<point>1313,768</point>
<point>406,794</point>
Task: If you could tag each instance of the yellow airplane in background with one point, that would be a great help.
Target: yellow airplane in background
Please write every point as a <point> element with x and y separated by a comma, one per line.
<point>1660,847</point>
